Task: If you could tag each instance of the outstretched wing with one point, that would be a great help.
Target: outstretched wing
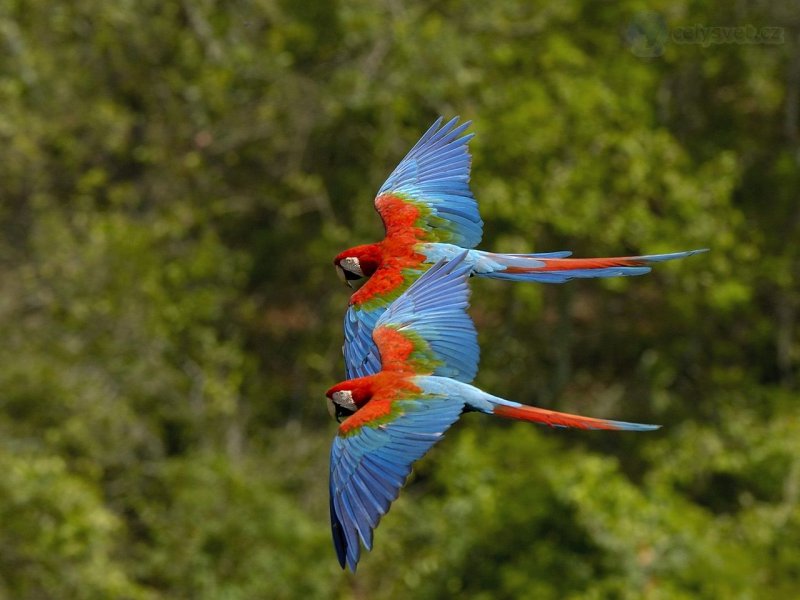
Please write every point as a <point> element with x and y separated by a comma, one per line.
<point>427,196</point>
<point>425,199</point>
<point>361,356</point>
<point>371,458</point>
<point>427,330</point>
<point>430,315</point>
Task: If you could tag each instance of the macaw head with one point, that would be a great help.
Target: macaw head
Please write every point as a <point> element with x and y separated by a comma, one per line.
<point>347,397</point>
<point>357,262</point>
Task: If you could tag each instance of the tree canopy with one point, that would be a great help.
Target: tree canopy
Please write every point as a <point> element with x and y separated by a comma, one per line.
<point>176,179</point>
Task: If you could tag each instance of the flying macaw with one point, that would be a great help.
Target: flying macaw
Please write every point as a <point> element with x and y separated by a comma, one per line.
<point>429,213</point>
<point>429,354</point>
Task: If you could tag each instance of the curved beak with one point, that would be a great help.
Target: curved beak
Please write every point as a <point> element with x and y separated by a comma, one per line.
<point>343,277</point>
<point>331,408</point>
<point>337,412</point>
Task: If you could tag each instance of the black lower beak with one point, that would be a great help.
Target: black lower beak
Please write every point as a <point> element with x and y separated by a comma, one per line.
<point>342,413</point>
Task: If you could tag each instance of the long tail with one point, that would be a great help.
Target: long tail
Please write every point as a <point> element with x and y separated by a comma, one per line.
<point>476,399</point>
<point>544,269</point>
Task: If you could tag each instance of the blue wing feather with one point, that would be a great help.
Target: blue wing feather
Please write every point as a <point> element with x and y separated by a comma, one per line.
<point>433,309</point>
<point>361,357</point>
<point>370,465</point>
<point>435,172</point>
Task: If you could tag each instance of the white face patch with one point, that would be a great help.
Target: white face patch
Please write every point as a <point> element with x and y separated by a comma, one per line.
<point>351,264</point>
<point>344,399</point>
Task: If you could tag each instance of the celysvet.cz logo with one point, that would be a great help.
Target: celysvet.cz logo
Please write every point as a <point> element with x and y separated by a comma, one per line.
<point>647,35</point>
<point>740,34</point>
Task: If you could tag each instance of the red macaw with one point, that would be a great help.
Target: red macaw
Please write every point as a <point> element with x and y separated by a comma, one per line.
<point>429,354</point>
<point>429,213</point>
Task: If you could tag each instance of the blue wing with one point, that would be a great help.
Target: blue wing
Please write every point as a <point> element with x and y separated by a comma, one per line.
<point>361,357</point>
<point>434,175</point>
<point>370,463</point>
<point>433,308</point>
<point>432,314</point>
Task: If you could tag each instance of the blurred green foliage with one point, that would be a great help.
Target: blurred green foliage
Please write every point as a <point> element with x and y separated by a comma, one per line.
<point>176,178</point>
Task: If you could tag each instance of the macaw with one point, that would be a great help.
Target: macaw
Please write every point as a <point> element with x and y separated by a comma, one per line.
<point>429,213</point>
<point>429,354</point>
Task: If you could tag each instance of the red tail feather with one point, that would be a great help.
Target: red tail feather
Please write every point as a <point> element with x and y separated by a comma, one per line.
<point>572,264</point>
<point>559,419</point>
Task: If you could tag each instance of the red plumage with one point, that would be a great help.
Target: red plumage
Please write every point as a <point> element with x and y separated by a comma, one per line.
<point>395,253</point>
<point>374,396</point>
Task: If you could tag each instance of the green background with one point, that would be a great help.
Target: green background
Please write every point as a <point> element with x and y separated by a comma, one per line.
<point>175,178</point>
